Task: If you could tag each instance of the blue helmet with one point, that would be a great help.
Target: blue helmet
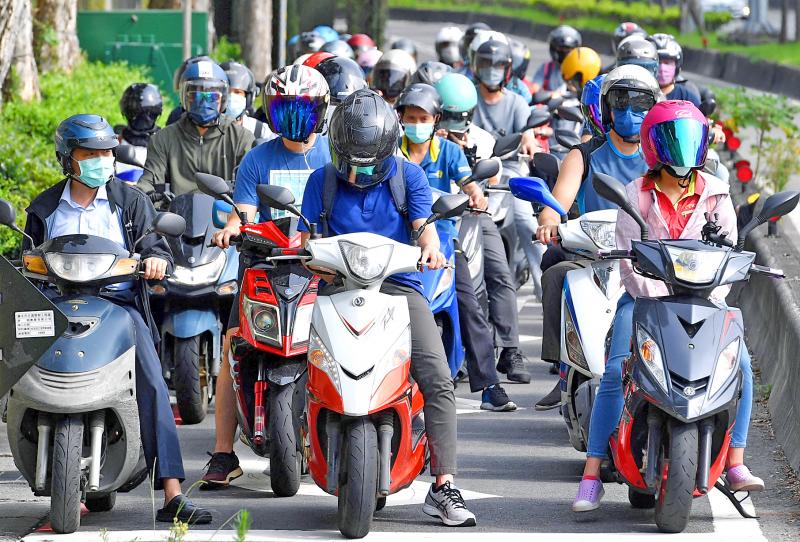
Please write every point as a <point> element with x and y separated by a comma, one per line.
<point>204,92</point>
<point>82,131</point>
<point>327,33</point>
<point>590,104</point>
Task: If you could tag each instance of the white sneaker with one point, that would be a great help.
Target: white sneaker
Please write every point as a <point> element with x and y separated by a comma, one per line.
<point>447,504</point>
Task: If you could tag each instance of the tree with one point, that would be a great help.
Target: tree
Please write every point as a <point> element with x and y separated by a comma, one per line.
<point>55,35</point>
<point>369,17</point>
<point>252,28</point>
<point>10,11</point>
<point>24,69</point>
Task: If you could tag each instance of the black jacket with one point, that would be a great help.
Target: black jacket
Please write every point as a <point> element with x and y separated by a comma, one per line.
<point>137,216</point>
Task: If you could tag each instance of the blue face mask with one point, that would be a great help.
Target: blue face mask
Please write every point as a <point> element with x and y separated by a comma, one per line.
<point>95,172</point>
<point>419,133</point>
<point>627,123</point>
<point>236,105</point>
<point>203,110</point>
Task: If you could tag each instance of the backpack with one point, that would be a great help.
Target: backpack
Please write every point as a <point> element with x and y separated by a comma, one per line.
<point>397,185</point>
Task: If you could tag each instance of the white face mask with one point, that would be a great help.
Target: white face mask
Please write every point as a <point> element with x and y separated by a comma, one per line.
<point>236,105</point>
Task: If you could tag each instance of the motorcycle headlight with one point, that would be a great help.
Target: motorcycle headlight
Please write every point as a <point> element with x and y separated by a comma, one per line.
<point>365,263</point>
<point>79,267</point>
<point>602,234</point>
<point>200,275</point>
<point>302,324</point>
<point>695,266</point>
<point>726,363</point>
<point>319,357</point>
<point>263,320</point>
<point>573,341</point>
<point>446,280</point>
<point>650,354</point>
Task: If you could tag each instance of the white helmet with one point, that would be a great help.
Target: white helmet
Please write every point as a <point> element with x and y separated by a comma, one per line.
<point>302,58</point>
<point>481,37</point>
<point>447,45</point>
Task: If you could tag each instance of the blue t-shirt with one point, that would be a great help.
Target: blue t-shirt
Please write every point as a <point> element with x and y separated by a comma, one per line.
<point>273,163</point>
<point>607,159</point>
<point>445,163</point>
<point>682,92</point>
<point>371,210</point>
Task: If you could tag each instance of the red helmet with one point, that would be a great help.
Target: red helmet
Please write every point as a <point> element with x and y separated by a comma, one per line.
<point>675,133</point>
<point>315,58</point>
<point>360,42</point>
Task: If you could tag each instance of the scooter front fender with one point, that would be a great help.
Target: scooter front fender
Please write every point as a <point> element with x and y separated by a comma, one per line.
<point>187,322</point>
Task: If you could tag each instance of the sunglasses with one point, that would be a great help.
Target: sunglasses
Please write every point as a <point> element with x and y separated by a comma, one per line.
<point>639,102</point>
<point>205,95</point>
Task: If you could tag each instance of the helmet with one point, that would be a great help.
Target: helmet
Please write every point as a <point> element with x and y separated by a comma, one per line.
<point>668,48</point>
<point>367,60</point>
<point>430,72</point>
<point>326,32</point>
<point>360,43</point>
<point>639,51</point>
<point>491,64</point>
<point>466,39</point>
<point>204,92</point>
<point>85,132</point>
<point>420,95</point>
<point>590,104</point>
<point>447,45</point>
<point>364,132</point>
<point>393,72</point>
<point>675,134</point>
<point>313,60</point>
<point>302,58</point>
<point>631,78</point>
<point>481,37</point>
<point>141,105</point>
<point>581,65</point>
<point>176,77</point>
<point>405,44</point>
<point>562,40</point>
<point>520,59</point>
<point>240,77</point>
<point>310,42</point>
<point>295,101</point>
<point>624,30</point>
<point>343,76</point>
<point>338,48</point>
<point>459,98</point>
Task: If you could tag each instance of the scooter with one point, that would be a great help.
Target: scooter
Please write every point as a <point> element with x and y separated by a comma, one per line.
<point>268,351</point>
<point>364,412</point>
<point>73,423</point>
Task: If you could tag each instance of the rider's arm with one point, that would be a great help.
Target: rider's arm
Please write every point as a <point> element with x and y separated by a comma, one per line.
<point>567,186</point>
<point>245,196</point>
<point>155,167</point>
<point>432,257</point>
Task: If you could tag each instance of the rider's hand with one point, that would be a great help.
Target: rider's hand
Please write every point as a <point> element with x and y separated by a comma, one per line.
<point>223,236</point>
<point>719,134</point>
<point>432,258</point>
<point>154,268</point>
<point>529,145</point>
<point>477,200</point>
<point>546,233</point>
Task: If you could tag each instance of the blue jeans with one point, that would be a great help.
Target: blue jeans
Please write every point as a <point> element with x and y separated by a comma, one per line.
<point>610,400</point>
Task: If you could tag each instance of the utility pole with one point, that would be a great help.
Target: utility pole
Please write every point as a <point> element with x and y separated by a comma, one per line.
<point>282,32</point>
<point>187,29</point>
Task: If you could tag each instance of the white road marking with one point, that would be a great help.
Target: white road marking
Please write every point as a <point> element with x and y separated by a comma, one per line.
<point>529,338</point>
<point>727,521</point>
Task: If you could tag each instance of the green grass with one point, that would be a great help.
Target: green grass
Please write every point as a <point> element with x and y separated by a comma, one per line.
<point>782,53</point>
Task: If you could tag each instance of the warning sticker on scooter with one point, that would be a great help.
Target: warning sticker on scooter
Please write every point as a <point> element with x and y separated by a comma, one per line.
<point>34,324</point>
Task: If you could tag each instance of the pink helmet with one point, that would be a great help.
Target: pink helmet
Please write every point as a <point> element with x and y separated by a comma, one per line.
<point>674,133</point>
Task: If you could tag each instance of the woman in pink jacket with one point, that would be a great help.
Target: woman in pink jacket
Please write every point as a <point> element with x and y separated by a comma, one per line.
<point>673,198</point>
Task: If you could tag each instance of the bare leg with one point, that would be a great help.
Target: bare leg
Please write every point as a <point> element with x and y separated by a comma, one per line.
<point>225,413</point>
<point>443,478</point>
<point>735,456</point>
<point>592,467</point>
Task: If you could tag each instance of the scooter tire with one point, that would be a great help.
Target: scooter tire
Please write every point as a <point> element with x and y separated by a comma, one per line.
<point>679,471</point>
<point>65,489</point>
<point>380,503</point>
<point>642,501</point>
<point>358,490</point>
<point>285,456</point>
<point>102,503</point>
<point>191,397</point>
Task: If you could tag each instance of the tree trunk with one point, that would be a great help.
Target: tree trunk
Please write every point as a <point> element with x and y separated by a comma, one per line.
<point>164,4</point>
<point>27,75</point>
<point>797,21</point>
<point>369,17</point>
<point>784,35</point>
<point>56,34</point>
<point>10,11</point>
<point>252,23</point>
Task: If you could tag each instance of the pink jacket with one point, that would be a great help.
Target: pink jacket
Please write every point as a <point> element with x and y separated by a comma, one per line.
<point>714,199</point>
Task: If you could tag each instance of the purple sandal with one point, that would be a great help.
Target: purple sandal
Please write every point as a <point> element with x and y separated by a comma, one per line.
<point>589,494</point>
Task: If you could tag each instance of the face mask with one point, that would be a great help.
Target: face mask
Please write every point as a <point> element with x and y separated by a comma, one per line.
<point>236,105</point>
<point>95,172</point>
<point>365,170</point>
<point>144,122</point>
<point>492,77</point>
<point>203,111</point>
<point>419,133</point>
<point>666,73</point>
<point>627,123</point>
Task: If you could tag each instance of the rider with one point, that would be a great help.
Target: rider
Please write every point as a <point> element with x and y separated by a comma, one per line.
<point>360,43</point>
<point>202,141</point>
<point>678,195</point>
<point>670,56</point>
<point>288,161</point>
<point>561,41</point>
<point>446,45</point>
<point>243,91</point>
<point>627,93</point>
<point>444,163</point>
<point>430,72</point>
<point>392,74</point>
<point>520,60</point>
<point>639,51</point>
<point>580,66</point>
<point>178,110</point>
<point>363,137</point>
<point>625,30</point>
<point>90,201</point>
<point>141,105</point>
<point>404,44</point>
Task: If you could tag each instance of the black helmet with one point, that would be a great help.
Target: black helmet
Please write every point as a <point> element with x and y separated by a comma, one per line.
<point>82,131</point>
<point>240,77</point>
<point>343,75</point>
<point>668,48</point>
<point>405,44</point>
<point>562,40</point>
<point>469,35</point>
<point>625,30</point>
<point>520,59</point>
<point>491,64</point>
<point>338,48</point>
<point>392,73</point>
<point>420,95</point>
<point>364,132</point>
<point>430,72</point>
<point>639,51</point>
<point>176,77</point>
<point>708,101</point>
<point>141,105</point>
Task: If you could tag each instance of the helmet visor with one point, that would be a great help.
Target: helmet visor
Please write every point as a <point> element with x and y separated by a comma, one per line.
<point>448,52</point>
<point>680,142</point>
<point>638,101</point>
<point>295,117</point>
<point>592,113</point>
<point>390,82</point>
<point>455,121</point>
<point>649,64</point>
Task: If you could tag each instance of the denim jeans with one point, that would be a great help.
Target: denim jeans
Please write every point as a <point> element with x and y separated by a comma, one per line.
<point>610,400</point>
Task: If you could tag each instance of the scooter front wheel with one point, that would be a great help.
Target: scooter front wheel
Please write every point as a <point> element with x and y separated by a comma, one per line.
<point>191,389</point>
<point>285,457</point>
<point>679,471</point>
<point>65,489</point>
<point>358,490</point>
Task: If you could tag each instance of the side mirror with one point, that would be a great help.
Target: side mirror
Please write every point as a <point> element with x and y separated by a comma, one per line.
<point>485,169</point>
<point>546,165</point>
<point>539,117</point>
<point>127,155</point>
<point>572,114</point>
<point>213,186</point>
<point>220,212</point>
<point>541,97</point>
<point>567,138</point>
<point>169,224</point>
<point>8,215</point>
<point>277,197</point>
<point>450,206</point>
<point>535,190</point>
<point>507,145</point>
<point>614,191</point>
<point>776,206</point>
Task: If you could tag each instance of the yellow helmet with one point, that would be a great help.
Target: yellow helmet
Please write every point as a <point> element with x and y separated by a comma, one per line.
<point>580,66</point>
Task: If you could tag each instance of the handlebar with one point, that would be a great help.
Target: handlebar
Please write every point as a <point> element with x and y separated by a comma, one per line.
<point>769,271</point>
<point>616,254</point>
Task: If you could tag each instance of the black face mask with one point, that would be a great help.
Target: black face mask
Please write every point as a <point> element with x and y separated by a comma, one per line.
<point>143,123</point>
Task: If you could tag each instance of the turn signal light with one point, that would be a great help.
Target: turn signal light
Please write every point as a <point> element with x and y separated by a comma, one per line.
<point>34,264</point>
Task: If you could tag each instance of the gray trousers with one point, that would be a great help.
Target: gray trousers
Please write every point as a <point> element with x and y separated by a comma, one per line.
<point>499,285</point>
<point>526,229</point>
<point>552,284</point>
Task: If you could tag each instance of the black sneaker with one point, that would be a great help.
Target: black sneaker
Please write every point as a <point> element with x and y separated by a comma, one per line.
<point>222,469</point>
<point>494,398</point>
<point>185,511</point>
<point>551,400</point>
<point>512,364</point>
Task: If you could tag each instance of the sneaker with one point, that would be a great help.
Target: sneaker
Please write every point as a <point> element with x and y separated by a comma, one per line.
<point>185,511</point>
<point>447,504</point>
<point>554,368</point>
<point>589,494</point>
<point>740,478</point>
<point>222,469</point>
<point>512,364</point>
<point>551,400</point>
<point>495,398</point>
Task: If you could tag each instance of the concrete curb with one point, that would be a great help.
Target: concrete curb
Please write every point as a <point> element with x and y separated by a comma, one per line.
<point>730,67</point>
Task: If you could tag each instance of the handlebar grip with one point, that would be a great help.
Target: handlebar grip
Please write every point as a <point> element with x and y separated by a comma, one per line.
<point>615,254</point>
<point>775,273</point>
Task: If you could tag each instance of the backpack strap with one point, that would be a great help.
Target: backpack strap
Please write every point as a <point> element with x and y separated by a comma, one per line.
<point>397,185</point>
<point>548,70</point>
<point>645,201</point>
<point>328,195</point>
